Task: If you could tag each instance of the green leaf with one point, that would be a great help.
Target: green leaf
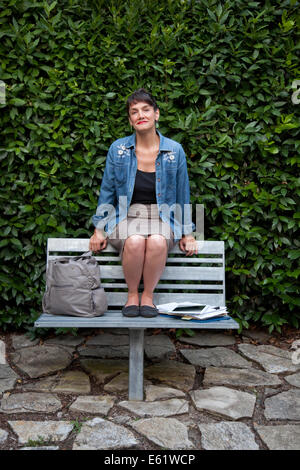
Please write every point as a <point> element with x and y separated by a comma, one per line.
<point>110,95</point>
<point>16,243</point>
<point>52,222</point>
<point>17,102</point>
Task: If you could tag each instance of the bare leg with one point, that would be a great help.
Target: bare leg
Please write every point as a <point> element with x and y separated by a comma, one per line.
<point>155,261</point>
<point>133,261</point>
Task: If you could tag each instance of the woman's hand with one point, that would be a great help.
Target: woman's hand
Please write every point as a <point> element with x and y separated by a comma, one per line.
<point>188,244</point>
<point>98,241</point>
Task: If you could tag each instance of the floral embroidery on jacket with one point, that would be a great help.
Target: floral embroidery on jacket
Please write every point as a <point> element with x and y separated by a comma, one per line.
<point>123,151</point>
<point>169,157</point>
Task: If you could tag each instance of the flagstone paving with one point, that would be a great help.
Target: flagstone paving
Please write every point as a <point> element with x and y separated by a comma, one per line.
<point>218,357</point>
<point>293,379</point>
<point>239,377</point>
<point>168,433</point>
<point>93,404</point>
<point>8,377</point>
<point>280,437</point>
<point>214,391</point>
<point>284,405</point>
<point>98,433</point>
<point>231,403</point>
<point>173,373</point>
<point>227,436</point>
<point>29,430</point>
<point>171,407</point>
<point>39,360</point>
<point>273,360</point>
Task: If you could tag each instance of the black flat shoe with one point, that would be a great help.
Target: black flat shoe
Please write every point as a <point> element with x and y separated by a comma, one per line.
<point>148,312</point>
<point>131,311</point>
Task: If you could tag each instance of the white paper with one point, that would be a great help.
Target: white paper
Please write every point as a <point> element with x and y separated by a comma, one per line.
<point>206,315</point>
<point>207,312</point>
<point>172,305</point>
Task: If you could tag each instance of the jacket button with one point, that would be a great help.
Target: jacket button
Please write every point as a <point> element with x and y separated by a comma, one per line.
<point>159,194</point>
<point>157,163</point>
<point>158,179</point>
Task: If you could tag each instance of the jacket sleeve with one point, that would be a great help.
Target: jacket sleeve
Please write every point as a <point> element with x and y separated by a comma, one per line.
<point>107,198</point>
<point>183,195</point>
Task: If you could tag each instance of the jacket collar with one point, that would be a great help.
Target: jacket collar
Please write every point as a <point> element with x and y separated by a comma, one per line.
<point>163,145</point>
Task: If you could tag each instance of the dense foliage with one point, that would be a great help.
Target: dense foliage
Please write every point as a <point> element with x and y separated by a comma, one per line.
<point>223,74</point>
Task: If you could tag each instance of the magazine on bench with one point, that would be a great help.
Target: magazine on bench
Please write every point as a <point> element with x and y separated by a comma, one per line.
<point>192,310</point>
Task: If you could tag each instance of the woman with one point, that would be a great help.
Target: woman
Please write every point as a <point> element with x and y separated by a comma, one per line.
<point>145,176</point>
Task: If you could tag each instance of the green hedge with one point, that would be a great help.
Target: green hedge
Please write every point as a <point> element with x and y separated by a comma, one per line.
<point>223,75</point>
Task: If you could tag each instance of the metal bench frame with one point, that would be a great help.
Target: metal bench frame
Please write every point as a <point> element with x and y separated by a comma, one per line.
<point>189,278</point>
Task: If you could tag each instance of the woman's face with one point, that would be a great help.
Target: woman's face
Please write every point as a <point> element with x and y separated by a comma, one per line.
<point>142,116</point>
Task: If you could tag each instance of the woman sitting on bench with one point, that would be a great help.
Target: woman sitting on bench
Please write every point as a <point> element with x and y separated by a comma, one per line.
<point>144,179</point>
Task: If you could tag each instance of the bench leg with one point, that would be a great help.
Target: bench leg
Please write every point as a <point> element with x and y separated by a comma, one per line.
<point>136,364</point>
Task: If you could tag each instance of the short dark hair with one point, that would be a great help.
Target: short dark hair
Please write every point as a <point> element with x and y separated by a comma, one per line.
<point>141,95</point>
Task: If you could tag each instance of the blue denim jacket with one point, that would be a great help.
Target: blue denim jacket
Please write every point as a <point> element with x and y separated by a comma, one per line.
<point>172,186</point>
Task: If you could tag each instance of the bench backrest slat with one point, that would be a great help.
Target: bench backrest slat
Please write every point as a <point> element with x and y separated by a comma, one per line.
<point>162,286</point>
<point>174,260</point>
<point>82,245</point>
<point>119,298</point>
<point>171,272</point>
<point>199,278</point>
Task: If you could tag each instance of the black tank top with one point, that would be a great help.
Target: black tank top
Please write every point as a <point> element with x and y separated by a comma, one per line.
<point>144,188</point>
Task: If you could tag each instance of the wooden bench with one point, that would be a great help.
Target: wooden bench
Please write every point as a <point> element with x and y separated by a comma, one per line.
<point>198,278</point>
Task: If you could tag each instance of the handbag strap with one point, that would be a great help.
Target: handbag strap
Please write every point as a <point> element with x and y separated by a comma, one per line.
<point>88,253</point>
<point>85,269</point>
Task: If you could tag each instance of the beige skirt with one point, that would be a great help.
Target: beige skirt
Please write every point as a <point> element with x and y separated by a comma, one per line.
<point>142,219</point>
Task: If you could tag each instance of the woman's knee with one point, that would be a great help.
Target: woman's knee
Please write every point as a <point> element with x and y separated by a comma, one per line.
<point>156,242</point>
<point>135,244</point>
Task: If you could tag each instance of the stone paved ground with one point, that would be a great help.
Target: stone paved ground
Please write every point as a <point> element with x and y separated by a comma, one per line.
<point>215,390</point>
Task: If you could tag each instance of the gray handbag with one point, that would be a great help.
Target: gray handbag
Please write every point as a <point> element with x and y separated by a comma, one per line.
<point>73,287</point>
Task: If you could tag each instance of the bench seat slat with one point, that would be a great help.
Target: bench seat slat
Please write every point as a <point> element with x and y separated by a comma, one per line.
<point>115,319</point>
